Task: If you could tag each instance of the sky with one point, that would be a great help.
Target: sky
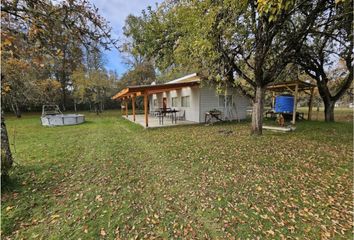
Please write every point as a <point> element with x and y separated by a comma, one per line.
<point>115,12</point>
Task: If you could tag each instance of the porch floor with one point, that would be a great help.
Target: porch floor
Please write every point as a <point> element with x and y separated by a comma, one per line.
<point>154,121</point>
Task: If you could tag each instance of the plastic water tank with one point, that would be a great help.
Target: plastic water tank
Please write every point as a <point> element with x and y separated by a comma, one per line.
<point>284,104</point>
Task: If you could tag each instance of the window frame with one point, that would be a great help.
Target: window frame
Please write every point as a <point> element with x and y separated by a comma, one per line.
<point>175,101</point>
<point>183,102</point>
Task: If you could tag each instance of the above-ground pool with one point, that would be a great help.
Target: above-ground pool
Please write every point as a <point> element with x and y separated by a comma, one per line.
<point>62,119</point>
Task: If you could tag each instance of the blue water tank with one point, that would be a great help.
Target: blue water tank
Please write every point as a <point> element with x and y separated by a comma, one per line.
<point>284,104</point>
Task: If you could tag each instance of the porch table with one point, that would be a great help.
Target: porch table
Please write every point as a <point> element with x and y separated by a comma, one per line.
<point>162,113</point>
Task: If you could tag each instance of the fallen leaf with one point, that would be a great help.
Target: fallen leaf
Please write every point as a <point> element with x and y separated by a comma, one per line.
<point>103,232</point>
<point>9,208</point>
<point>55,216</point>
<point>271,232</point>
<point>99,198</point>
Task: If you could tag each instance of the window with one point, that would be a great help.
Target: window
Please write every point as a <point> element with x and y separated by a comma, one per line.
<point>175,102</point>
<point>186,101</point>
<point>155,103</point>
<point>225,100</point>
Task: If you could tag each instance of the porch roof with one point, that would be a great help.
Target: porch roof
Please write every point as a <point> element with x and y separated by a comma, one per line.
<point>281,86</point>
<point>151,89</point>
<point>294,87</point>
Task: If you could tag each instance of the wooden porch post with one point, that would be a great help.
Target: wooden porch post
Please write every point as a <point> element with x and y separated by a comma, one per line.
<point>121,109</point>
<point>126,108</point>
<point>273,100</point>
<point>295,103</point>
<point>133,106</point>
<point>309,116</point>
<point>146,109</point>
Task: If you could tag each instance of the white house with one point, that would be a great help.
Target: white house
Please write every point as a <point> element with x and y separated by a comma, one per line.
<point>196,100</point>
<point>192,99</point>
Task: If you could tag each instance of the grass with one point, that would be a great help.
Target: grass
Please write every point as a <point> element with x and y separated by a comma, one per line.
<point>341,114</point>
<point>109,178</point>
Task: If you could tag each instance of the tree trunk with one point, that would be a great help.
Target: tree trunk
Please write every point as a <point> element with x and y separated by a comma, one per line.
<point>257,111</point>
<point>328,100</point>
<point>13,108</point>
<point>75,109</point>
<point>64,99</point>
<point>16,110</point>
<point>97,108</point>
<point>329,110</point>
<point>6,156</point>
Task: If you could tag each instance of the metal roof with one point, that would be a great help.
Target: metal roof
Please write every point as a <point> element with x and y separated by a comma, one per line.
<point>281,86</point>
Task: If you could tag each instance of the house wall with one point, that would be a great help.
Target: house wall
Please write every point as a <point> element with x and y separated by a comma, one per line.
<point>209,99</point>
<point>158,97</point>
<point>203,99</point>
<point>191,112</point>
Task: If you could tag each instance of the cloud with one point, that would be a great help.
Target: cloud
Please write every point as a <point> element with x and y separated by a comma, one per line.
<point>115,11</point>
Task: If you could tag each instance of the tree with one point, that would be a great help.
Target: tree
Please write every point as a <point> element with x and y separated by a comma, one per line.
<point>140,74</point>
<point>17,87</point>
<point>91,83</point>
<point>27,85</point>
<point>246,44</point>
<point>39,24</point>
<point>48,91</point>
<point>22,69</point>
<point>327,55</point>
<point>141,69</point>
<point>6,156</point>
<point>92,87</point>
<point>66,61</point>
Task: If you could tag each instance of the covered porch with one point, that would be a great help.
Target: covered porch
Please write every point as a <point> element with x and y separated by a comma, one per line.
<point>147,119</point>
<point>294,87</point>
<point>154,121</point>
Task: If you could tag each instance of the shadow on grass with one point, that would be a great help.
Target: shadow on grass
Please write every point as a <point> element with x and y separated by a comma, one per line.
<point>11,186</point>
<point>72,125</point>
<point>87,122</point>
<point>32,186</point>
<point>25,175</point>
<point>10,183</point>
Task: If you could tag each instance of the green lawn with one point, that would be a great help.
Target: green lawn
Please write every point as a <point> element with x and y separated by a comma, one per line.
<point>341,114</point>
<point>109,178</point>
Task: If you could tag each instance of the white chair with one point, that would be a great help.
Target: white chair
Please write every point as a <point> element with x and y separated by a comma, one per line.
<point>181,115</point>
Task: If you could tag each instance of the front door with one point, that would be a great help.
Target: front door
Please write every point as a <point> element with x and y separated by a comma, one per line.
<point>164,103</point>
